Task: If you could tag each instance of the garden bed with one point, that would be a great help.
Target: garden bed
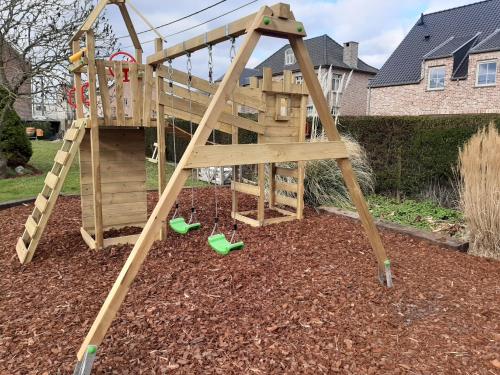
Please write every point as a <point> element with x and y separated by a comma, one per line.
<point>302,297</point>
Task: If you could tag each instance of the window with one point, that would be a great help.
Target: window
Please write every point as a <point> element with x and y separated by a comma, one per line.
<point>299,80</point>
<point>436,78</point>
<point>486,73</point>
<point>310,110</point>
<point>336,79</point>
<point>289,57</point>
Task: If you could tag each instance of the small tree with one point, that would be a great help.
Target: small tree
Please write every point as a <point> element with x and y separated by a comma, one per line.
<point>13,140</point>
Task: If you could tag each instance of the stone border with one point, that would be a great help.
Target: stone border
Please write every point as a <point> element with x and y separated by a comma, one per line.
<point>433,238</point>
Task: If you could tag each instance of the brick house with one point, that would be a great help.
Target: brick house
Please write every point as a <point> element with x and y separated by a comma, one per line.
<point>447,64</point>
<point>326,53</point>
<point>14,66</point>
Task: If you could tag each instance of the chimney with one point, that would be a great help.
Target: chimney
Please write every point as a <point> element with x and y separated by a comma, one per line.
<point>350,56</point>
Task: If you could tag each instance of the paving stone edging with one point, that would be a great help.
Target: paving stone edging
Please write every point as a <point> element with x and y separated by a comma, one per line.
<point>433,238</point>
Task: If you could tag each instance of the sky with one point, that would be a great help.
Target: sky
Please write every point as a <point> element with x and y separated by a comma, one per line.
<point>378,25</point>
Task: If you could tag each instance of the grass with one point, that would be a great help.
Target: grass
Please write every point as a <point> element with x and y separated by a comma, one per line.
<point>424,215</point>
<point>43,155</point>
<point>479,168</point>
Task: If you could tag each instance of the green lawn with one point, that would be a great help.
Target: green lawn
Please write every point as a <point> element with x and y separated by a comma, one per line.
<point>42,159</point>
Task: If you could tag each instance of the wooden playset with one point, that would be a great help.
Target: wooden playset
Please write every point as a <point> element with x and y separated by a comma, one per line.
<point>115,100</point>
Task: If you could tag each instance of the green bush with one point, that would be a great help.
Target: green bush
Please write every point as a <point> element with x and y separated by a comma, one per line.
<point>14,143</point>
<point>408,154</point>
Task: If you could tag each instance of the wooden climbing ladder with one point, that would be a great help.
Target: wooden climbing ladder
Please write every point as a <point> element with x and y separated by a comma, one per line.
<point>46,200</point>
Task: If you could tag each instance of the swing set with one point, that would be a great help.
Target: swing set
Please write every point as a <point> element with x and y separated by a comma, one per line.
<point>125,97</point>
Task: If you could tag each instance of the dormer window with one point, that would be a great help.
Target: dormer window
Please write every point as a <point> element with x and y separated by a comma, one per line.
<point>289,57</point>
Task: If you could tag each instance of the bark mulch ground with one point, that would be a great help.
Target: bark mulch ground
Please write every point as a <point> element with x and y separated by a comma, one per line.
<point>301,298</point>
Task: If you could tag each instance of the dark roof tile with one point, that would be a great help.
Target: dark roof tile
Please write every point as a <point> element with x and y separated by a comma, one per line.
<point>432,34</point>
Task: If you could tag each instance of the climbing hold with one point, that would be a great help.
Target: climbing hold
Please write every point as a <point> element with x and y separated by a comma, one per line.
<point>300,27</point>
<point>267,20</point>
<point>91,349</point>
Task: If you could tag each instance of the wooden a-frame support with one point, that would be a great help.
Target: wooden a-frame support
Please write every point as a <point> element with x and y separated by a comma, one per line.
<point>167,199</point>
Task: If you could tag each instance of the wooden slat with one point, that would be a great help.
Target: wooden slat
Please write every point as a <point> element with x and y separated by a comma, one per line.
<point>31,226</point>
<point>285,186</point>
<point>281,199</point>
<point>148,95</point>
<point>104,91</point>
<point>246,220</point>
<point>221,155</point>
<point>123,240</point>
<point>71,134</point>
<point>61,157</point>
<point>286,172</point>
<point>119,97</point>
<point>277,220</point>
<point>245,188</point>
<point>51,180</point>
<point>87,238</point>
<point>241,95</point>
<point>41,203</point>
<point>93,16</point>
<point>135,94</point>
<point>199,109</point>
<point>21,250</point>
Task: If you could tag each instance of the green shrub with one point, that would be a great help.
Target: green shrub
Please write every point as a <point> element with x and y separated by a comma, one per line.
<point>408,154</point>
<point>14,142</point>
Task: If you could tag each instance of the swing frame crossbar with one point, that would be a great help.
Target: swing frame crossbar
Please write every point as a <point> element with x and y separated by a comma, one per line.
<point>277,21</point>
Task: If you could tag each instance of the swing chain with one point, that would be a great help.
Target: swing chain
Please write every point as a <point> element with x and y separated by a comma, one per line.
<point>232,50</point>
<point>189,67</point>
<point>210,66</point>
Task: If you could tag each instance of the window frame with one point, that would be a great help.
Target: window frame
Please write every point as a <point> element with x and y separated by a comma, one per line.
<point>299,79</point>
<point>477,73</point>
<point>336,78</point>
<point>288,60</point>
<point>431,68</point>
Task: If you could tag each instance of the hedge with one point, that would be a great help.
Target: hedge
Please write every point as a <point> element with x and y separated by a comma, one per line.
<point>409,153</point>
<point>14,142</point>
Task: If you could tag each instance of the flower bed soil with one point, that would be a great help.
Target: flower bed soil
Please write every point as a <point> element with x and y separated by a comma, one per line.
<point>302,297</point>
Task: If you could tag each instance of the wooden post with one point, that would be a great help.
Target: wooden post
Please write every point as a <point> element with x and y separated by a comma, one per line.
<point>301,170</point>
<point>143,245</point>
<point>94,139</point>
<point>160,133</point>
<point>78,83</point>
<point>314,87</point>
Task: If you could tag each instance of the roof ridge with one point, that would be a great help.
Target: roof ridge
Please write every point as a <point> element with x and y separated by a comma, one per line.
<point>458,7</point>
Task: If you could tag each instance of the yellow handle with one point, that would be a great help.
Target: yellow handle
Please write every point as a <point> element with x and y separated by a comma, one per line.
<point>77,56</point>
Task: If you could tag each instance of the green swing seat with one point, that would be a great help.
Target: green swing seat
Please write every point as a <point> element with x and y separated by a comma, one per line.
<point>222,246</point>
<point>180,226</point>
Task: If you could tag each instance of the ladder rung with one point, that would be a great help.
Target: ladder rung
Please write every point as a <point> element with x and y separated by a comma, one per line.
<point>61,157</point>
<point>21,249</point>
<point>51,180</point>
<point>31,226</point>
<point>41,203</point>
<point>287,172</point>
<point>71,134</point>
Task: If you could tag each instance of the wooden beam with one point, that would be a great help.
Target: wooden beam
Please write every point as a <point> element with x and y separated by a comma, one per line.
<point>94,141</point>
<point>160,131</point>
<point>241,95</point>
<point>93,16</point>
<point>130,26</point>
<point>245,188</point>
<point>280,28</point>
<point>316,93</point>
<point>198,109</point>
<point>141,249</point>
<point>103,90</point>
<point>221,155</point>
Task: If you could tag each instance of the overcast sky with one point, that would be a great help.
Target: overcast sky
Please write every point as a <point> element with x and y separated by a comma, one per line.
<point>378,26</point>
